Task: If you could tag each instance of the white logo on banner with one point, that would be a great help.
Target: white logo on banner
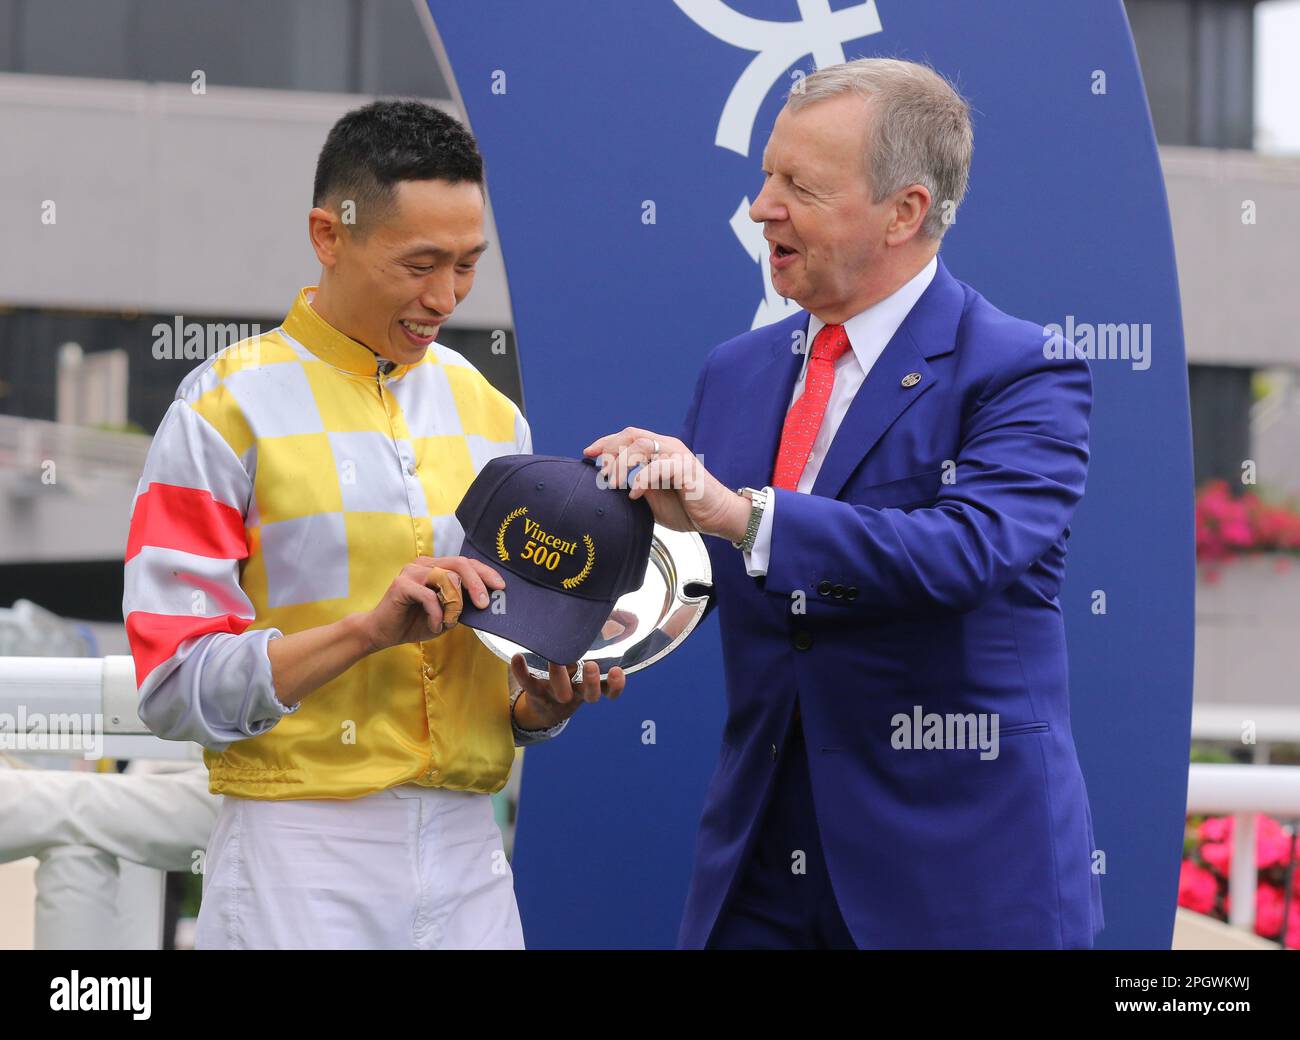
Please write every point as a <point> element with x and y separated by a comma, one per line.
<point>820,32</point>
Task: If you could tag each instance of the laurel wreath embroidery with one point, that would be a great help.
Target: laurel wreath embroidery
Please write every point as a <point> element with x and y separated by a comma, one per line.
<point>569,583</point>
<point>514,514</point>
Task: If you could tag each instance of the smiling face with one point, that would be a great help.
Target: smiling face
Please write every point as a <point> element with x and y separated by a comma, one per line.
<point>831,249</point>
<point>394,286</point>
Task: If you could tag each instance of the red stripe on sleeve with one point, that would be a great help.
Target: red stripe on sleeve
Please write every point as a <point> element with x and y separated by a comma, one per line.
<point>188,519</point>
<point>155,637</point>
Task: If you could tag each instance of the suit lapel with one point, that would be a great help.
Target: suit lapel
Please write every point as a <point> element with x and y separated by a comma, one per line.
<point>928,331</point>
<point>880,400</point>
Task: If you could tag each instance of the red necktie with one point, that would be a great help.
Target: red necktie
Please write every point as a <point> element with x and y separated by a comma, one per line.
<point>804,419</point>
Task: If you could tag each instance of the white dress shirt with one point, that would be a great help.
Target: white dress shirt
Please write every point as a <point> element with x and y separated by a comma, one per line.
<point>869,333</point>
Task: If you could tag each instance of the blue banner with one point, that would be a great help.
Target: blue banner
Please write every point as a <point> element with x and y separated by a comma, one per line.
<point>623,145</point>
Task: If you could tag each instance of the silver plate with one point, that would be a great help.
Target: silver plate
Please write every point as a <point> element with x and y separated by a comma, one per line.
<point>647,625</point>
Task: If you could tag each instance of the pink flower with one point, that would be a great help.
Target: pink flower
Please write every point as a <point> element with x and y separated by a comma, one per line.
<point>1268,911</point>
<point>1235,530</point>
<point>1197,888</point>
<point>1273,844</point>
<point>1228,525</point>
<point>1217,854</point>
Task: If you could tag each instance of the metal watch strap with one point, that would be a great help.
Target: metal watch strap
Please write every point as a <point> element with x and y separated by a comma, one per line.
<point>757,503</point>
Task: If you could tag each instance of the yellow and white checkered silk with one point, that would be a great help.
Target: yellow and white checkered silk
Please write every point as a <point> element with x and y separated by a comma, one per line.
<point>288,484</point>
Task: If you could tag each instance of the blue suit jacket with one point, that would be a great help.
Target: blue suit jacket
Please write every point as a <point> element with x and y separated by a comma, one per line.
<point>917,591</point>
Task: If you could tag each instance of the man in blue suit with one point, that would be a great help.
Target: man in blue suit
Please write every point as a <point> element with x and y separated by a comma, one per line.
<point>889,475</point>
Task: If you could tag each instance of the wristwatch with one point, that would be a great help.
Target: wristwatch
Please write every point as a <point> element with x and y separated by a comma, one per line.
<point>757,503</point>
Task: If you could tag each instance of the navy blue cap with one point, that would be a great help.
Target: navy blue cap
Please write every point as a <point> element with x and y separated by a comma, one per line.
<point>566,547</point>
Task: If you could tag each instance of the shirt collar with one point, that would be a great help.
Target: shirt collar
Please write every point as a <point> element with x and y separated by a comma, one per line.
<point>871,330</point>
<point>305,325</point>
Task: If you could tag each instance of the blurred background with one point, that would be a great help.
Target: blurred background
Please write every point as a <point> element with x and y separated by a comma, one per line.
<point>171,149</point>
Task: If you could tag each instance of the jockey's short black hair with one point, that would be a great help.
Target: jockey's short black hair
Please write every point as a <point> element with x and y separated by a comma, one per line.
<point>373,147</point>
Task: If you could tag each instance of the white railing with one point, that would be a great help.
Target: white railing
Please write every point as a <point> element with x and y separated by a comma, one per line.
<point>1244,791</point>
<point>86,707</point>
<point>101,689</point>
<point>1227,724</point>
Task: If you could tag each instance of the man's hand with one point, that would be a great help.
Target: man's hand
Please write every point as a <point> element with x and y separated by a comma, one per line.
<point>548,702</point>
<point>683,495</point>
<point>424,600</point>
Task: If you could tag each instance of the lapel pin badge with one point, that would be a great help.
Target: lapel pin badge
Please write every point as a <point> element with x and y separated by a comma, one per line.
<point>911,379</point>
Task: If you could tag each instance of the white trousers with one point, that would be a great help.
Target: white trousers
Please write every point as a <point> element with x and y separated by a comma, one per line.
<point>406,868</point>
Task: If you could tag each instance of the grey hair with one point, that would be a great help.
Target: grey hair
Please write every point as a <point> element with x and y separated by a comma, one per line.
<point>919,132</point>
